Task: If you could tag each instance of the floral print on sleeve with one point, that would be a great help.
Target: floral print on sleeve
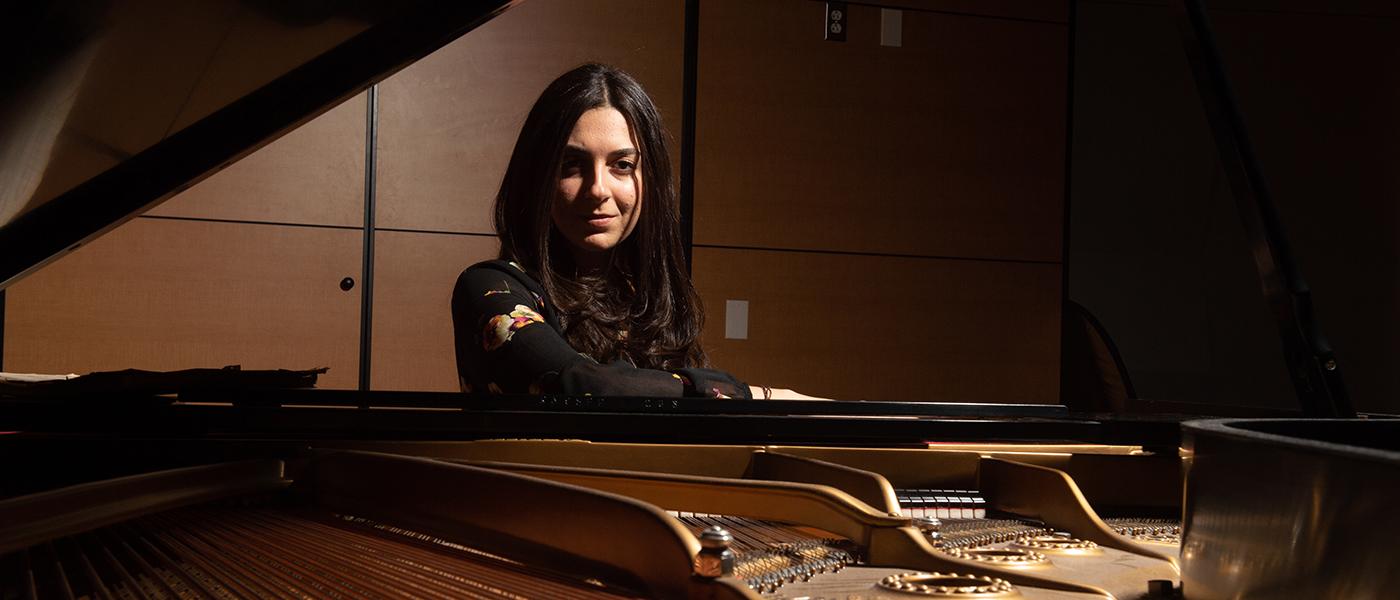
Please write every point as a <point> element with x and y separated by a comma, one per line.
<point>492,301</point>
<point>500,328</point>
<point>505,284</point>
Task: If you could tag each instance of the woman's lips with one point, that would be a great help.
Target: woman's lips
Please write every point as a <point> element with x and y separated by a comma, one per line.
<point>600,221</point>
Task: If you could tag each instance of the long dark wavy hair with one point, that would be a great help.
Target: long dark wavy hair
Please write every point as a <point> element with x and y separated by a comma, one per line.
<point>642,306</point>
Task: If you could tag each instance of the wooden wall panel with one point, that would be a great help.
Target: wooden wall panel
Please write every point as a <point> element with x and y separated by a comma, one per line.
<point>414,275</point>
<point>878,328</point>
<point>952,145</point>
<point>313,175</point>
<point>448,123</point>
<point>165,295</point>
<point>1043,10</point>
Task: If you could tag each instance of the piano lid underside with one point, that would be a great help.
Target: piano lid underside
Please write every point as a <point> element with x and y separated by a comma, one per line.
<point>119,105</point>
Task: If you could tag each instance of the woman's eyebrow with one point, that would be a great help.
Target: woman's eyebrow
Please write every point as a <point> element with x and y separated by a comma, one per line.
<point>573,150</point>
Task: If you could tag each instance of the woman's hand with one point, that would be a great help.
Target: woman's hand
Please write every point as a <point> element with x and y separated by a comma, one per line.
<point>766,393</point>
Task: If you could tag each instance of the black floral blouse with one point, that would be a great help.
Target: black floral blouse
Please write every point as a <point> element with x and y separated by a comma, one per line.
<point>509,342</point>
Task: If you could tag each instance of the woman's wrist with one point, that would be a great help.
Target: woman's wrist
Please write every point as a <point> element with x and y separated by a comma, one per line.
<point>760,392</point>
<point>770,393</point>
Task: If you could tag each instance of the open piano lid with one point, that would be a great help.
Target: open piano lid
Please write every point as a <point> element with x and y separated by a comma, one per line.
<point>114,106</point>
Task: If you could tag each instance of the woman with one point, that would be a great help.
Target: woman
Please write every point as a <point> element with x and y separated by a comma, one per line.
<point>590,294</point>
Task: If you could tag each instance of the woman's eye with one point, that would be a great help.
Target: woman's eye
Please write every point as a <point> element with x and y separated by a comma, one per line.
<point>569,169</point>
<point>624,165</point>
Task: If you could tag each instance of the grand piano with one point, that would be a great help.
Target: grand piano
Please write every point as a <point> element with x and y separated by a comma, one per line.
<point>178,487</point>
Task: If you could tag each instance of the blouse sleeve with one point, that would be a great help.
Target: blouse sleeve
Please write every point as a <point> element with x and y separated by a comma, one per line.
<point>504,343</point>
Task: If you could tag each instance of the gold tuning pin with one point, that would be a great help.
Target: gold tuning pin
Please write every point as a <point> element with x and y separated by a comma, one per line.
<point>715,558</point>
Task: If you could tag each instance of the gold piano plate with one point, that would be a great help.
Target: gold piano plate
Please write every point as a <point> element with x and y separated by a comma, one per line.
<point>1055,544</point>
<point>1002,557</point>
<point>950,585</point>
<point>1166,539</point>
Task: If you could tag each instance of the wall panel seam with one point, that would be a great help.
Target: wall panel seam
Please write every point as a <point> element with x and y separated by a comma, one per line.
<point>953,13</point>
<point>1069,175</point>
<point>880,254</point>
<point>432,231</point>
<point>2,330</point>
<point>689,83</point>
<point>250,222</point>
<point>367,270</point>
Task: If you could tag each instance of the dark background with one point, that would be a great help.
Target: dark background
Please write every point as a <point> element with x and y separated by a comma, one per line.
<point>1156,248</point>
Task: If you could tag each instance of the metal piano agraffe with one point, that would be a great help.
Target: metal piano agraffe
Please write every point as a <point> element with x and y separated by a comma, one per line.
<point>317,493</point>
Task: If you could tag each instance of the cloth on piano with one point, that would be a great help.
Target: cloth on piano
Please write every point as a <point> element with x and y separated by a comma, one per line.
<point>136,382</point>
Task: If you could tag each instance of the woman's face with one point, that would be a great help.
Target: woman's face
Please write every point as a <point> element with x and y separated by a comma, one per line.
<point>600,186</point>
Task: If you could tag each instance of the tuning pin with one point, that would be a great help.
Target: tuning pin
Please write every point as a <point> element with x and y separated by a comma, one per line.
<point>930,526</point>
<point>715,558</point>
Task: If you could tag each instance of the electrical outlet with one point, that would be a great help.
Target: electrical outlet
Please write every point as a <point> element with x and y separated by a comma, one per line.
<point>891,27</point>
<point>837,21</point>
<point>736,319</point>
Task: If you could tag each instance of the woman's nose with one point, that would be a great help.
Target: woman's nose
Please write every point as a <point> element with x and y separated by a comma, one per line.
<point>596,183</point>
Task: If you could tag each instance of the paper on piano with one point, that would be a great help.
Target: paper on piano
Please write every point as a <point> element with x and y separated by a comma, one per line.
<point>33,377</point>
